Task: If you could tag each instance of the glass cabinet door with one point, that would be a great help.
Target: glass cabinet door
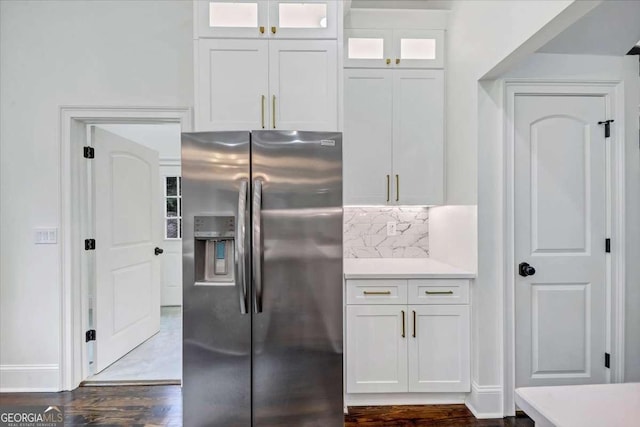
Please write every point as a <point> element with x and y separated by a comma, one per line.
<point>232,18</point>
<point>368,48</point>
<point>418,48</point>
<point>303,19</point>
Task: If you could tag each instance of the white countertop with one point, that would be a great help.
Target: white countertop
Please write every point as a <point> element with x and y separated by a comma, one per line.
<point>597,405</point>
<point>400,268</point>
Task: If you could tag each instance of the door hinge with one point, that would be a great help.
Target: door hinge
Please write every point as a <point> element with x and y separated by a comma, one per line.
<point>607,127</point>
<point>607,245</point>
<point>89,152</point>
<point>90,335</point>
<point>89,244</point>
<point>607,360</point>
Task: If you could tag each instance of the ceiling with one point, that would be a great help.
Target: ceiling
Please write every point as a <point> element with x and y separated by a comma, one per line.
<point>612,28</point>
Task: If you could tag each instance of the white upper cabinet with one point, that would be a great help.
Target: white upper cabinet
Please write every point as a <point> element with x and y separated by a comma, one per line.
<point>418,48</point>
<point>394,137</point>
<point>378,48</point>
<point>368,48</point>
<point>232,18</point>
<point>296,19</point>
<point>233,85</point>
<point>299,19</point>
<point>418,137</point>
<point>303,83</point>
<point>368,132</point>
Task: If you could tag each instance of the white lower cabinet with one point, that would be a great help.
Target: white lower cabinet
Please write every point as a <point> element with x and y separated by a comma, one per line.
<point>400,347</point>
<point>377,336</point>
<point>439,348</point>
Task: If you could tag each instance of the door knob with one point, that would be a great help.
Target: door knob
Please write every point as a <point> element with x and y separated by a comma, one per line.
<point>525,269</point>
<point>158,251</point>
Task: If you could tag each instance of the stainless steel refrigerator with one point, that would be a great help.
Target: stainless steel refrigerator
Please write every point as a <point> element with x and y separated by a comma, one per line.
<point>262,279</point>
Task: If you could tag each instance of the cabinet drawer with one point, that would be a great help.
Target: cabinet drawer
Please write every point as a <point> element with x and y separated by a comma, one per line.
<point>376,291</point>
<point>439,291</point>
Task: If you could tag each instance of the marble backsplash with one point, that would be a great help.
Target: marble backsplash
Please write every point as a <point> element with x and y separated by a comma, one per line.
<point>365,232</point>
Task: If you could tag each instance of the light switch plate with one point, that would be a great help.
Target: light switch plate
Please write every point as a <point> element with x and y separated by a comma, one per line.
<point>391,228</point>
<point>46,236</point>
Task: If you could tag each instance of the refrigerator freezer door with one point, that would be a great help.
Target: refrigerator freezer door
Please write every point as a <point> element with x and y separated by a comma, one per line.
<point>216,334</point>
<point>297,330</point>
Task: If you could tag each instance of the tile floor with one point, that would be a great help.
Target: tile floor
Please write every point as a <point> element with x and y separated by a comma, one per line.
<point>157,359</point>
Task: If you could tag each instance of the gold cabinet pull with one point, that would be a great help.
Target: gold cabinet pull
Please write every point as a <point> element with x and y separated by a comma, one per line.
<point>262,110</point>
<point>403,326</point>
<point>273,110</point>
<point>388,61</point>
<point>397,188</point>
<point>414,323</point>
<point>397,61</point>
<point>273,30</point>
<point>438,292</point>
<point>261,30</point>
<point>388,181</point>
<point>377,292</point>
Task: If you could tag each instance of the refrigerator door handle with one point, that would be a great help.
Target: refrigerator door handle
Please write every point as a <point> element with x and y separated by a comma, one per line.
<point>241,258</point>
<point>257,245</point>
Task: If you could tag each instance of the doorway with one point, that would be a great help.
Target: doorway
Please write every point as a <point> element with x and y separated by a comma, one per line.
<point>132,201</point>
<point>564,234</point>
<point>135,291</point>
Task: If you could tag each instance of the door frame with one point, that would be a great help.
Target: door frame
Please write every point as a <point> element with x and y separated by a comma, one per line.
<point>75,270</point>
<point>613,94</point>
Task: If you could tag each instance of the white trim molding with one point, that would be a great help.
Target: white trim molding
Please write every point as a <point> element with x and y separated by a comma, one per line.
<point>485,401</point>
<point>613,94</point>
<point>29,378</point>
<point>73,187</point>
<point>375,399</point>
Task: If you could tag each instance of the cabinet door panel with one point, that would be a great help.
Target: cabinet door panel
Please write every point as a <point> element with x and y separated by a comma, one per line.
<point>299,19</point>
<point>439,348</point>
<point>231,18</point>
<point>376,350</point>
<point>368,133</point>
<point>418,137</point>
<point>233,78</point>
<point>303,79</point>
<point>368,48</point>
<point>418,48</point>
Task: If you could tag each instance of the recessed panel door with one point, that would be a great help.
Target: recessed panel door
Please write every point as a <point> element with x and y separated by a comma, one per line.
<point>560,224</point>
<point>233,85</point>
<point>128,229</point>
<point>368,128</point>
<point>418,137</point>
<point>377,348</point>
<point>303,82</point>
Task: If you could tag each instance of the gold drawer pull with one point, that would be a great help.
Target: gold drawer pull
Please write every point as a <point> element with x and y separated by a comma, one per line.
<point>438,292</point>
<point>377,292</point>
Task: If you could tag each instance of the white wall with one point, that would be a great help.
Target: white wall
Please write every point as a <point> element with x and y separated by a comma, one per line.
<point>52,54</point>
<point>164,138</point>
<point>453,236</point>
<point>480,35</point>
<point>488,294</point>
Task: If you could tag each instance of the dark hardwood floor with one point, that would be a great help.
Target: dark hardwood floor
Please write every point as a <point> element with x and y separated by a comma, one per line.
<point>162,406</point>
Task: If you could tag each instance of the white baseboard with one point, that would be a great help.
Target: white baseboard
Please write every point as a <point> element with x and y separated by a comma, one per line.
<point>29,378</point>
<point>485,401</point>
<point>383,399</point>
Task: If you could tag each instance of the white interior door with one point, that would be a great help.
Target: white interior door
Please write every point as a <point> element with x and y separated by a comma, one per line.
<point>304,84</point>
<point>560,225</point>
<point>171,207</point>
<point>127,231</point>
